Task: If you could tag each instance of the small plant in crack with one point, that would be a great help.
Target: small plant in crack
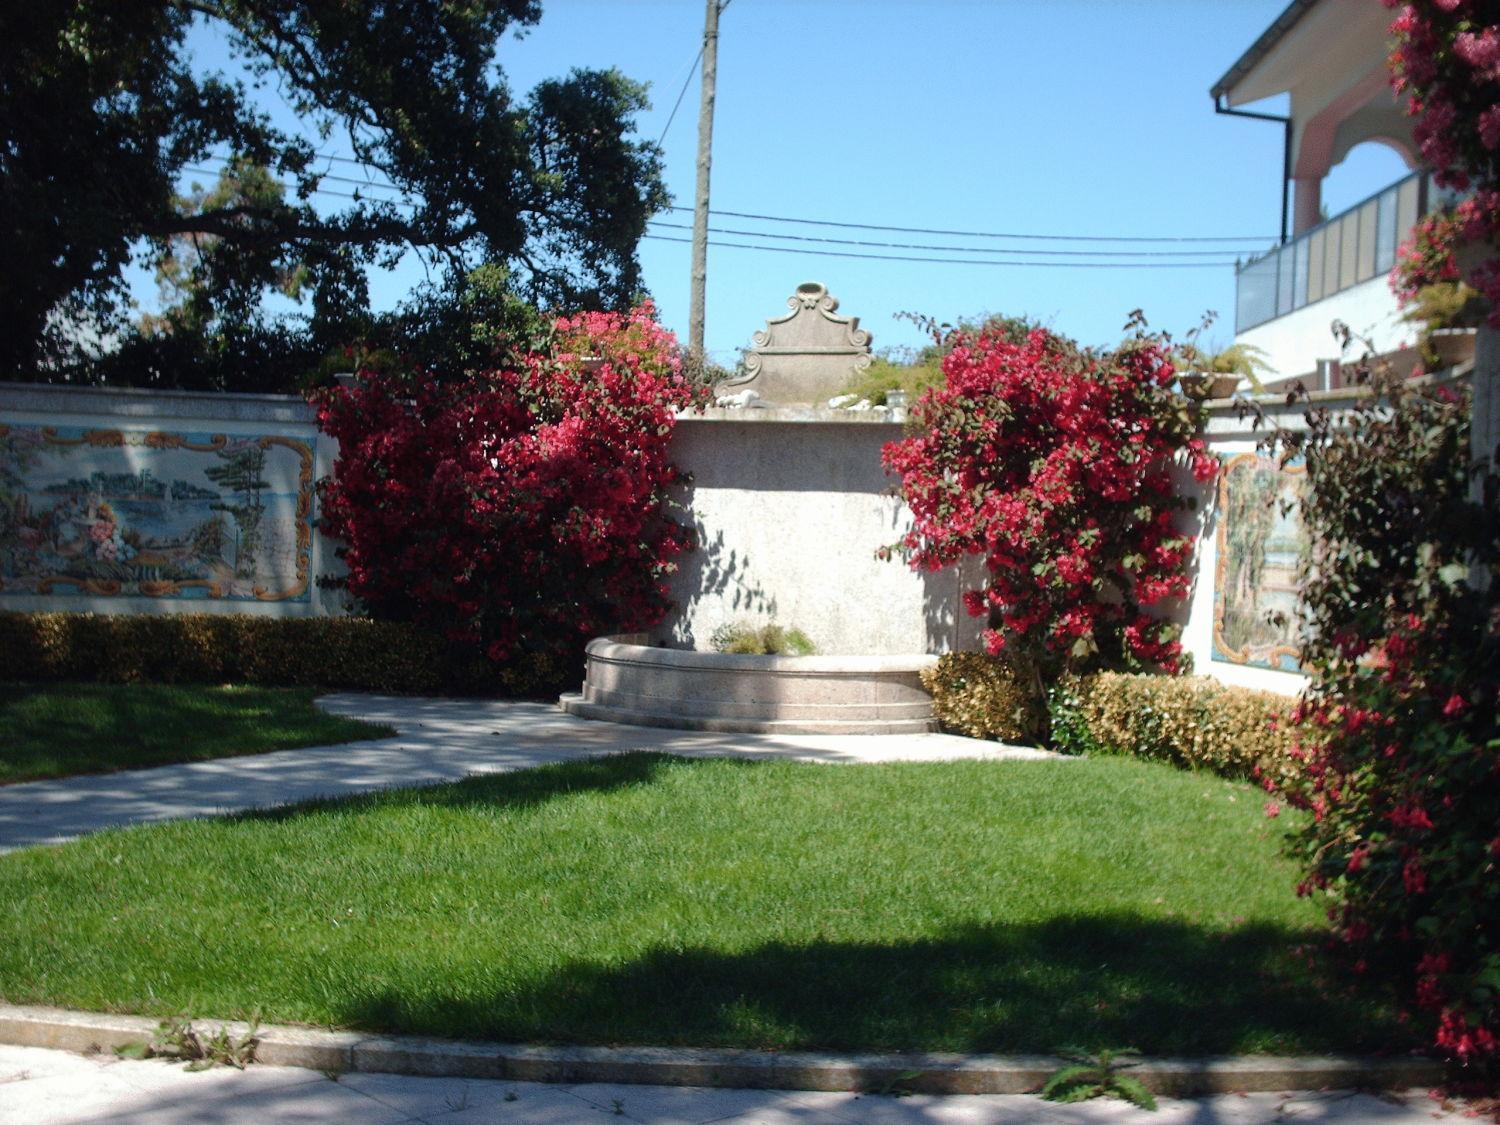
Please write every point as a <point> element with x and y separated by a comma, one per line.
<point>1098,1076</point>
<point>459,1103</point>
<point>178,1039</point>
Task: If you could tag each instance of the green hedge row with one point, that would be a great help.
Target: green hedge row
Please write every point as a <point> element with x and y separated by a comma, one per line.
<point>1190,721</point>
<point>332,653</point>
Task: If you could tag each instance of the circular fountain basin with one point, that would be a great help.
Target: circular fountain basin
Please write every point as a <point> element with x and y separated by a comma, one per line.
<point>715,691</point>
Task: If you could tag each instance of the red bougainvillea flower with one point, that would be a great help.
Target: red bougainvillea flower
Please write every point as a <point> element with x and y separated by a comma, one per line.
<point>1056,466</point>
<point>519,508</point>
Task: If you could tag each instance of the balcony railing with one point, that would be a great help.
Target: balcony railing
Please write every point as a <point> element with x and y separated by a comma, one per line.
<point>1335,255</point>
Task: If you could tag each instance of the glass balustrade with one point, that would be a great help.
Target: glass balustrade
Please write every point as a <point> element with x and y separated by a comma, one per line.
<point>1335,255</point>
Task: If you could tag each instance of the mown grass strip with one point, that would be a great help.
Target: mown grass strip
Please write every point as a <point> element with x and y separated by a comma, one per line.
<point>59,730</point>
<point>973,906</point>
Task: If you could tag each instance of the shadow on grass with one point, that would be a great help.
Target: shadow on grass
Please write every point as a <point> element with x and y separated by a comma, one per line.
<point>518,789</point>
<point>1105,980</point>
<point>51,730</point>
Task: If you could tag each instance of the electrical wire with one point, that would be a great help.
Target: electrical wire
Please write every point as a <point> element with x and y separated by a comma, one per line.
<point>953,261</point>
<point>987,234</point>
<point>955,249</point>
<point>1019,236</point>
<point>321,190</point>
<point>678,103</point>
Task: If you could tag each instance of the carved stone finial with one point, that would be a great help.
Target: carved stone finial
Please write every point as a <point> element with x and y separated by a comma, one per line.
<point>807,356</point>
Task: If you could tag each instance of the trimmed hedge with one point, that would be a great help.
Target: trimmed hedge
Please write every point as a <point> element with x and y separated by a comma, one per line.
<point>333,653</point>
<point>976,695</point>
<point>1190,721</point>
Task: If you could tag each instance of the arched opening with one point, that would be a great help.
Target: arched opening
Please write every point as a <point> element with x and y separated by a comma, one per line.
<point>1367,168</point>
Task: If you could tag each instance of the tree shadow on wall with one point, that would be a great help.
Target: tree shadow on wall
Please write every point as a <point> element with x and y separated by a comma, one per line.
<point>1100,981</point>
<point>719,574</point>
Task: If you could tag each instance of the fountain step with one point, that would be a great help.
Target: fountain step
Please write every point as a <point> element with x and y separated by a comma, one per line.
<point>575,704</point>
<point>710,691</point>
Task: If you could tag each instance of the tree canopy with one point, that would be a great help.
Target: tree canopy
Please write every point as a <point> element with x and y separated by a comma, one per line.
<point>104,112</point>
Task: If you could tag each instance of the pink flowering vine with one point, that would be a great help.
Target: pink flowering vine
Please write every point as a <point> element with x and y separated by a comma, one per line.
<point>1055,465</point>
<point>521,509</point>
<point>1446,62</point>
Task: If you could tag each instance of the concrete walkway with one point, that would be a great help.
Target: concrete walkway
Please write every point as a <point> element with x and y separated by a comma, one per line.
<point>438,740</point>
<point>43,1087</point>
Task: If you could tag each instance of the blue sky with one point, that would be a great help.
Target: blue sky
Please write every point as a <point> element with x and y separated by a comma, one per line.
<point>1070,117</point>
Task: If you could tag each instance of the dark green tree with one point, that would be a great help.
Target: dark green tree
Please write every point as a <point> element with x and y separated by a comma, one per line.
<point>102,110</point>
<point>243,472</point>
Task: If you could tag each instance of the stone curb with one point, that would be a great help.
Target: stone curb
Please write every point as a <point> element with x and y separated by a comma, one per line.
<point>345,1051</point>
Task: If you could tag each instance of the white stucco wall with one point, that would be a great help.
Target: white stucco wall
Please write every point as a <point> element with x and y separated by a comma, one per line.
<point>790,507</point>
<point>1295,342</point>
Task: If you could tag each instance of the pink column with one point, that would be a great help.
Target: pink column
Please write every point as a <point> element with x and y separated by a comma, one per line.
<point>1307,202</point>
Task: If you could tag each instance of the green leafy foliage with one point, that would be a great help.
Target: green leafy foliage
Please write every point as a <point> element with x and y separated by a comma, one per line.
<point>1400,741</point>
<point>1439,305</point>
<point>178,1039</point>
<point>885,375</point>
<point>1098,1076</point>
<point>1190,721</point>
<point>980,696</point>
<point>746,639</point>
<point>554,186</point>
<point>333,653</point>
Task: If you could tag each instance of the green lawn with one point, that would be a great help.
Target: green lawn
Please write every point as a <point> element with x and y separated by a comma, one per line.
<point>57,730</point>
<point>1003,906</point>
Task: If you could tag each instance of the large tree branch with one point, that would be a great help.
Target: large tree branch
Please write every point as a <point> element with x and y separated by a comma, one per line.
<point>250,224</point>
<point>276,44</point>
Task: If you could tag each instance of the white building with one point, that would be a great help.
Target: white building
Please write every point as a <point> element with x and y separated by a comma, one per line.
<point>1329,58</point>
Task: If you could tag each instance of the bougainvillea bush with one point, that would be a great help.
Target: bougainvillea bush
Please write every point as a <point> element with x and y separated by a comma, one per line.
<point>1054,464</point>
<point>1446,62</point>
<point>521,508</point>
<point>1397,731</point>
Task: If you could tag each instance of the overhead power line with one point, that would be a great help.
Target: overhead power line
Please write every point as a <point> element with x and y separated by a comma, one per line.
<point>955,249</point>
<point>1227,238</point>
<point>321,176</point>
<point>686,82</point>
<point>955,261</point>
<point>319,190</point>
<point>990,234</point>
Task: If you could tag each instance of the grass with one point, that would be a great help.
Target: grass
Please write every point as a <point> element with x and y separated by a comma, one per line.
<point>58,730</point>
<point>648,899</point>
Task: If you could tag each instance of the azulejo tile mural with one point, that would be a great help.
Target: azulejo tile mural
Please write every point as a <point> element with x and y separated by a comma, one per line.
<point>1260,538</point>
<point>152,513</point>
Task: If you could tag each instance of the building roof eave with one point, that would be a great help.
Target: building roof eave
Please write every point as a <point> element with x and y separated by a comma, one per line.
<point>1262,47</point>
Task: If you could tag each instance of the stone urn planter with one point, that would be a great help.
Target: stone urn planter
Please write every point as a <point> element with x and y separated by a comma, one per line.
<point>1202,385</point>
<point>1452,345</point>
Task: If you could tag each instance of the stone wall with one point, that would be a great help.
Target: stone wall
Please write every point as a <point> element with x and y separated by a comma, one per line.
<point>791,506</point>
<point>159,502</point>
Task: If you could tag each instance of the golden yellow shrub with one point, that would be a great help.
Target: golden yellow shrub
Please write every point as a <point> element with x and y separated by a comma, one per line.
<point>979,696</point>
<point>1191,721</point>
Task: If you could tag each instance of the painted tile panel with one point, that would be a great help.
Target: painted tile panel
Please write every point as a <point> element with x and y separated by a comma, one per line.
<point>1255,579</point>
<point>154,513</point>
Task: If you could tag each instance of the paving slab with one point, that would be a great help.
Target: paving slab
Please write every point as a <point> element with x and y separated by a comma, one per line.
<point>438,740</point>
<point>462,1099</point>
<point>47,1087</point>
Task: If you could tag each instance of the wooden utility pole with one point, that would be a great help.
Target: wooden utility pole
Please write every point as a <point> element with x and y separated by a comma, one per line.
<point>705,159</point>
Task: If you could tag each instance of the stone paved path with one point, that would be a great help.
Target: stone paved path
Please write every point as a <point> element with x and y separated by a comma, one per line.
<point>438,740</point>
<point>41,1087</point>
